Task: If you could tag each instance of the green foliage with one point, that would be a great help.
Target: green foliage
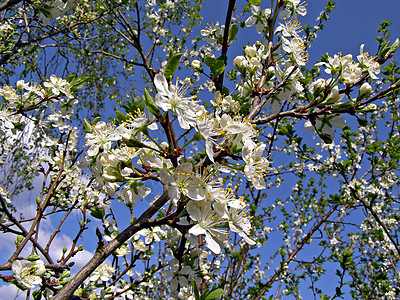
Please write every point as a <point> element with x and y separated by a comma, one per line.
<point>150,104</point>
<point>233,30</point>
<point>97,212</point>
<point>172,64</point>
<point>216,65</point>
<point>77,82</point>
<point>255,2</point>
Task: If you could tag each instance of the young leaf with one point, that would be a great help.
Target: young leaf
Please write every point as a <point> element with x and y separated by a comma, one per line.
<point>88,127</point>
<point>217,66</point>
<point>96,120</point>
<point>326,138</point>
<point>171,66</point>
<point>33,257</point>
<point>195,290</point>
<point>76,82</point>
<point>393,48</point>
<point>37,295</point>
<point>150,103</point>
<point>215,294</point>
<point>121,117</point>
<point>255,2</point>
<point>233,30</point>
<point>97,212</point>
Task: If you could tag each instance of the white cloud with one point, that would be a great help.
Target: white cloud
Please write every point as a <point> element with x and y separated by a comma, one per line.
<point>61,241</point>
<point>7,248</point>
<point>10,292</point>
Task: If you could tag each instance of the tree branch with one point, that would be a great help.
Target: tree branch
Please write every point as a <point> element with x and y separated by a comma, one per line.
<point>225,43</point>
<point>103,252</point>
<point>8,4</point>
<point>294,253</point>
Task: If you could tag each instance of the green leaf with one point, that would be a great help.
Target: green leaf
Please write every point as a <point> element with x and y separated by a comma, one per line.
<point>65,274</point>
<point>171,66</point>
<point>255,2</point>
<point>19,239</point>
<point>92,296</point>
<point>393,48</point>
<point>133,106</point>
<point>97,212</point>
<point>282,130</point>
<point>345,105</point>
<point>233,30</point>
<point>335,199</point>
<point>19,126</point>
<point>88,127</point>
<point>150,103</point>
<point>37,295</point>
<point>209,61</point>
<point>286,130</point>
<point>219,66</point>
<point>326,138</point>
<point>216,65</point>
<point>215,294</point>
<point>195,290</point>
<point>96,120</point>
<point>132,142</point>
<point>348,252</point>
<point>45,9</point>
<point>76,82</point>
<point>121,117</point>
<point>225,91</point>
<point>362,121</point>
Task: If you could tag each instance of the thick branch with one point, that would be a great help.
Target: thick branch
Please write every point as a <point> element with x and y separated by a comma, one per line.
<point>8,4</point>
<point>103,252</point>
<point>225,42</point>
<point>301,112</point>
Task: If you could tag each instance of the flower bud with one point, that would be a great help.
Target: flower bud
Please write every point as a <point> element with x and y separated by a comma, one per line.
<point>240,62</point>
<point>319,86</point>
<point>196,65</point>
<point>370,108</point>
<point>250,51</point>
<point>21,85</point>
<point>365,91</point>
<point>334,96</point>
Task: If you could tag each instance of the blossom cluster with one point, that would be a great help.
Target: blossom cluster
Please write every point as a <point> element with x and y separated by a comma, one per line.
<point>209,205</point>
<point>209,161</point>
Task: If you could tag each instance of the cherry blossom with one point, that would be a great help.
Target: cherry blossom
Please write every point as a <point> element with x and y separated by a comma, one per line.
<point>258,17</point>
<point>28,273</point>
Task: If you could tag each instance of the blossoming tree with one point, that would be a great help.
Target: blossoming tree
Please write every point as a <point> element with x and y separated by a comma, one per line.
<point>210,187</point>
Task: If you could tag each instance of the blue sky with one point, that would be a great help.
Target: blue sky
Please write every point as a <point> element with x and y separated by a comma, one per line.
<point>353,22</point>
